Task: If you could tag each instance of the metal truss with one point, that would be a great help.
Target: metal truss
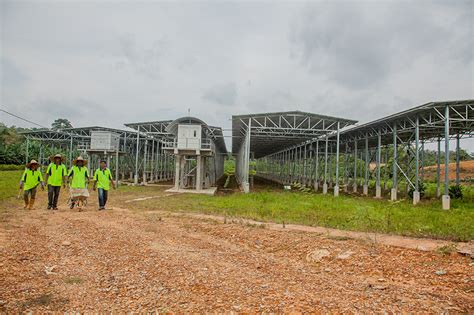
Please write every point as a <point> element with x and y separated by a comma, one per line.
<point>405,134</point>
<point>272,132</point>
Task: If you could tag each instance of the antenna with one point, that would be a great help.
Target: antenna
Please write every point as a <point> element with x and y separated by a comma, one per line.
<point>189,111</point>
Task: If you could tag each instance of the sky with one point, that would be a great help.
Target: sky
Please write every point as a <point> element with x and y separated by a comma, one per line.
<point>113,62</point>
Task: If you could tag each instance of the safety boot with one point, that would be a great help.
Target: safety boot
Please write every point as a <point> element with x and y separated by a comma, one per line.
<point>32,203</point>
<point>26,205</point>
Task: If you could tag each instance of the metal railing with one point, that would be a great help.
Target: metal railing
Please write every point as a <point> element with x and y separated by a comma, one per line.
<point>206,144</point>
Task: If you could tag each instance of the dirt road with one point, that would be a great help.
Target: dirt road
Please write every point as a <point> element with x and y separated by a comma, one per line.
<point>128,260</point>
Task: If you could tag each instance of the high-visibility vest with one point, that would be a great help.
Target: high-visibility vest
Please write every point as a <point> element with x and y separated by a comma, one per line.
<point>55,174</point>
<point>103,178</point>
<point>79,176</point>
<point>31,179</point>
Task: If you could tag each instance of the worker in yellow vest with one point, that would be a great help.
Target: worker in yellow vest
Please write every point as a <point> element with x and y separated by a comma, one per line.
<point>30,180</point>
<point>55,177</point>
<point>78,182</point>
<point>103,179</point>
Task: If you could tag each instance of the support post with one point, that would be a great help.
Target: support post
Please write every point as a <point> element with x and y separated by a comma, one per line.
<point>438,170</point>
<point>145,161</point>
<point>393,192</point>
<point>70,150</point>
<point>177,166</point>
<point>446,202</point>
<point>135,180</point>
<point>416,193</point>
<point>378,187</point>
<point>366,179</point>
<point>316,168</point>
<point>198,172</point>
<point>325,183</point>
<point>354,188</point>
<point>458,155</point>
<point>336,187</point>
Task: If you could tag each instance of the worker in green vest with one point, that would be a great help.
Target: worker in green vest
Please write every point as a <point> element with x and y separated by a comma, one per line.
<point>78,182</point>
<point>55,177</point>
<point>30,180</point>
<point>103,179</point>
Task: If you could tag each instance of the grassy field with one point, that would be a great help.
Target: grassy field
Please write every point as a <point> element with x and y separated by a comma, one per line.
<point>9,184</point>
<point>345,212</point>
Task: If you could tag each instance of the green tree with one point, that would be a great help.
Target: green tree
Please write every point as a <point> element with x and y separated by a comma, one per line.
<point>61,123</point>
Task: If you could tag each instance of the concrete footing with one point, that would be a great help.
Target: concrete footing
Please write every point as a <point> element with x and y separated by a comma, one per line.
<point>316,186</point>
<point>336,191</point>
<point>378,192</point>
<point>393,194</point>
<point>354,188</point>
<point>366,190</point>
<point>325,188</point>
<point>345,188</point>
<point>446,201</point>
<point>416,197</point>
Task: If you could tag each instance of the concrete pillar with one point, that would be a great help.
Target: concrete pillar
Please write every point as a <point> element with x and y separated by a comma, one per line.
<point>198,172</point>
<point>446,202</point>
<point>177,171</point>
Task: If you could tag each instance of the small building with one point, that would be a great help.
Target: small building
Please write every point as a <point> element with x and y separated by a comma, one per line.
<point>199,152</point>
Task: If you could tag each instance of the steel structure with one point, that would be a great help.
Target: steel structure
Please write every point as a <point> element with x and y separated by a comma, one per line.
<point>75,141</point>
<point>396,141</point>
<point>152,160</point>
<point>272,134</point>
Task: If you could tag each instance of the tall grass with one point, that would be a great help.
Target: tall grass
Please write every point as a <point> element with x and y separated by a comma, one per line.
<point>344,212</point>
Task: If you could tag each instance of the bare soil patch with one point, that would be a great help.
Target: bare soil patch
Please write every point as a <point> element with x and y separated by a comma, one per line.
<point>126,260</point>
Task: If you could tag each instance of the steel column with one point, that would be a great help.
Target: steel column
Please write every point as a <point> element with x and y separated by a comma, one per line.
<point>446,200</point>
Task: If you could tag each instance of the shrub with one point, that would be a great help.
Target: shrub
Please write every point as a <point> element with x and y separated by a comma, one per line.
<point>11,167</point>
<point>455,192</point>
<point>421,189</point>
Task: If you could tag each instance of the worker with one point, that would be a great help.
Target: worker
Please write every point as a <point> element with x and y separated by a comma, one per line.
<point>78,182</point>
<point>30,180</point>
<point>55,178</point>
<point>103,179</point>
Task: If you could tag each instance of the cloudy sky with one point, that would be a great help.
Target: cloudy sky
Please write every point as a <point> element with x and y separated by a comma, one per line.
<point>109,62</point>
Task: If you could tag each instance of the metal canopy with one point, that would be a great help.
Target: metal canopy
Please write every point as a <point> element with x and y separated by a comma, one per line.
<point>162,129</point>
<point>152,127</point>
<point>272,132</point>
<point>66,134</point>
<point>431,123</point>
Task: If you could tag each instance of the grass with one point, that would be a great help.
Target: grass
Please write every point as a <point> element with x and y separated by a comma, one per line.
<point>345,212</point>
<point>9,184</point>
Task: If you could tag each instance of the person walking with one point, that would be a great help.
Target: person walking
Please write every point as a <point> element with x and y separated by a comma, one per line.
<point>103,179</point>
<point>78,182</point>
<point>55,178</point>
<point>29,182</point>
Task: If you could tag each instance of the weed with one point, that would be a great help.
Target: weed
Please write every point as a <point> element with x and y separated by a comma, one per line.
<point>73,280</point>
<point>446,249</point>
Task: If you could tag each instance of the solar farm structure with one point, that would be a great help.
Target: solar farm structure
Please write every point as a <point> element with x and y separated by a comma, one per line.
<point>324,153</point>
